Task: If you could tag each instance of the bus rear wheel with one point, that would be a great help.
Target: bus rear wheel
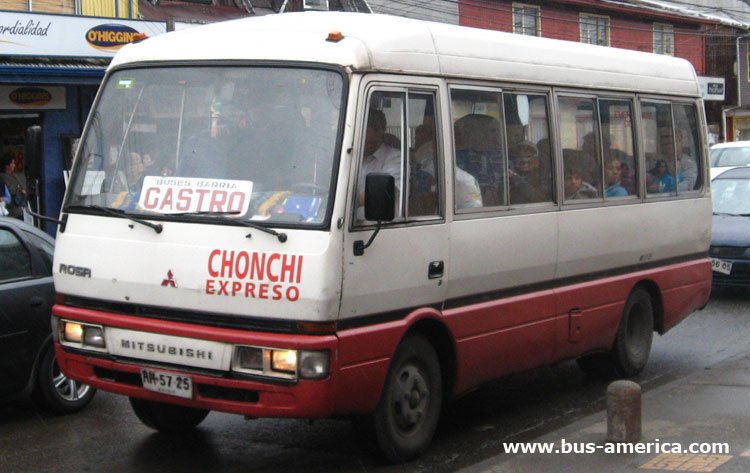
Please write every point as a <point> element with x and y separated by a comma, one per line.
<point>167,418</point>
<point>634,335</point>
<point>632,345</point>
<point>409,409</point>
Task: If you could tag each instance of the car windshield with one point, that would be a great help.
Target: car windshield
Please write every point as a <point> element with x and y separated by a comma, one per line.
<point>731,196</point>
<point>730,156</point>
<point>252,143</point>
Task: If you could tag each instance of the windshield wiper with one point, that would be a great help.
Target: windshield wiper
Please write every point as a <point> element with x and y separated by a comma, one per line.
<point>245,223</point>
<point>157,227</point>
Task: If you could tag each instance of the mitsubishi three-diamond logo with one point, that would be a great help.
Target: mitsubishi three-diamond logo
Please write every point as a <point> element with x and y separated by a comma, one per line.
<point>169,281</point>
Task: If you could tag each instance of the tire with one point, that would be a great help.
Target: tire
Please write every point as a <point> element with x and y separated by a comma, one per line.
<point>407,414</point>
<point>167,418</point>
<point>54,392</point>
<point>634,335</point>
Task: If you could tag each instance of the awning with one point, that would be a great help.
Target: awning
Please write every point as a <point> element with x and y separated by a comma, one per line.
<point>52,71</point>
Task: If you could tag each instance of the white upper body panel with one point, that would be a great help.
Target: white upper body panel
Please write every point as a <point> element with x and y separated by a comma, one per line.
<point>418,47</point>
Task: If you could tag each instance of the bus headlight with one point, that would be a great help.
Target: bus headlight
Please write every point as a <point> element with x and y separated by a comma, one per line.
<point>281,363</point>
<point>80,335</point>
<point>72,332</point>
<point>284,361</point>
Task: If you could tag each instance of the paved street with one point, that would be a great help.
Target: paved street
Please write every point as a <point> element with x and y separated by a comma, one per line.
<point>108,437</point>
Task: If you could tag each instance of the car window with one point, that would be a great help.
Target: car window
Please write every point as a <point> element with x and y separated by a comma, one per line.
<point>15,261</point>
<point>723,157</point>
<point>47,249</point>
<point>731,196</point>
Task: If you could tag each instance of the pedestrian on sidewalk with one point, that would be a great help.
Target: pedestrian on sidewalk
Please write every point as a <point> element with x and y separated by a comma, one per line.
<point>16,185</point>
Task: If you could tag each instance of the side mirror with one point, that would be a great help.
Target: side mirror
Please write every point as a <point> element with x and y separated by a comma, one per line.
<point>380,197</point>
<point>33,152</point>
<point>380,203</point>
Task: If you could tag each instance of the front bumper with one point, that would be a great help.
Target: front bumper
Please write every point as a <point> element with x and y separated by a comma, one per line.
<point>738,278</point>
<point>224,391</point>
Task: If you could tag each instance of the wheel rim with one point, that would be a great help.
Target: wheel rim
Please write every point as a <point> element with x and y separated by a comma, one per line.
<point>411,399</point>
<point>68,389</point>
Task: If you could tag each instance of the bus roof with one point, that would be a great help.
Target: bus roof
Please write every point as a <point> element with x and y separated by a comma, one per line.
<point>384,43</point>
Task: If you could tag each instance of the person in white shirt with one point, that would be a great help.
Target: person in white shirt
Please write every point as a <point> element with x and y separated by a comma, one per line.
<point>379,157</point>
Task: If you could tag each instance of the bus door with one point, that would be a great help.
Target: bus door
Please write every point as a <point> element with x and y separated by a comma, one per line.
<point>403,268</point>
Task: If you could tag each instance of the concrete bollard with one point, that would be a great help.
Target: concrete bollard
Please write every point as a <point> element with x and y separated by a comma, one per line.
<point>623,412</point>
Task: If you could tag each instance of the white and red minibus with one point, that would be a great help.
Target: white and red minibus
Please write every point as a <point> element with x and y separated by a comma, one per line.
<point>326,214</point>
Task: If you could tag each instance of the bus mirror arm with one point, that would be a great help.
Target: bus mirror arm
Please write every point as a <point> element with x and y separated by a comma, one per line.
<point>360,246</point>
<point>43,217</point>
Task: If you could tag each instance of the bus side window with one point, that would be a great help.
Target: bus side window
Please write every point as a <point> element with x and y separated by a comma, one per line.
<point>617,140</point>
<point>382,145</point>
<point>581,151</point>
<point>527,129</point>
<point>423,160</point>
<point>479,171</point>
<point>689,172</point>
<point>659,147</point>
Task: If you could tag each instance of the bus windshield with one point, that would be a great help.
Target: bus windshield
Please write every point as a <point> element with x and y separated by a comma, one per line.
<point>254,143</point>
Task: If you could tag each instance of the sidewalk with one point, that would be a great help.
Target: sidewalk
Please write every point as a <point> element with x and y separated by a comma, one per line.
<point>709,407</point>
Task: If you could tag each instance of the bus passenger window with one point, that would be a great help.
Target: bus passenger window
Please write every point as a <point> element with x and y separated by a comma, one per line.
<point>617,142</point>
<point>479,172</point>
<point>659,148</point>
<point>579,139</point>
<point>382,145</point>
<point>687,146</point>
<point>527,129</point>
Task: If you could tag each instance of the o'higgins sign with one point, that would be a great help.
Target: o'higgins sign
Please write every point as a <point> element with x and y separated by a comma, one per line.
<point>110,37</point>
<point>21,97</point>
<point>32,34</point>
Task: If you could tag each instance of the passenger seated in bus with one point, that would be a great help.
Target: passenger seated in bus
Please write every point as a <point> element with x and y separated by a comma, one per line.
<point>478,152</point>
<point>589,159</point>
<point>575,186</point>
<point>627,178</point>
<point>659,180</point>
<point>527,185</point>
<point>130,181</point>
<point>377,157</point>
<point>612,173</point>
<point>467,191</point>
<point>687,163</point>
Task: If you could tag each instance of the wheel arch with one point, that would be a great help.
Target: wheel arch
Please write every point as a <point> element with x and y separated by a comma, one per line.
<point>657,304</point>
<point>48,343</point>
<point>440,338</point>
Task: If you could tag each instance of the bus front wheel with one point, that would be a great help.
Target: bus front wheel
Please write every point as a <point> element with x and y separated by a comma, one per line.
<point>168,418</point>
<point>634,335</point>
<point>409,409</point>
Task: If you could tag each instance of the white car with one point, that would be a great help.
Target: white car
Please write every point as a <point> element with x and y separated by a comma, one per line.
<point>728,155</point>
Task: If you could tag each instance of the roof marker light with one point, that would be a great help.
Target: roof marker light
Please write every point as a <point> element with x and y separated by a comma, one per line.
<point>335,36</point>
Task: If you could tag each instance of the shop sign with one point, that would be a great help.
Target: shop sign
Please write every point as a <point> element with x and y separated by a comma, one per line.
<point>30,34</point>
<point>32,97</point>
<point>712,88</point>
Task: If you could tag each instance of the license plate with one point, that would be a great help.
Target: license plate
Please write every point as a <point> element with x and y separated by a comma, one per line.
<point>721,266</point>
<point>167,383</point>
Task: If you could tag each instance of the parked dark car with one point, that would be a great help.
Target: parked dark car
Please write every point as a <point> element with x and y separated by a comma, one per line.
<point>730,236</point>
<point>27,357</point>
